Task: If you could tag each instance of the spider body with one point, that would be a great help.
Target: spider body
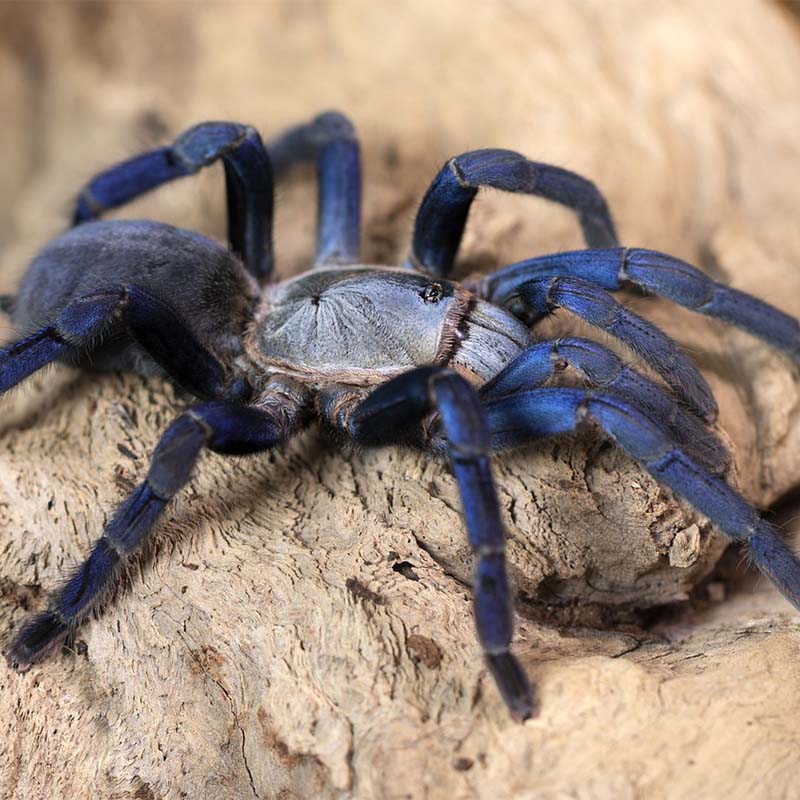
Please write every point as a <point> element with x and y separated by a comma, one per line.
<point>380,354</point>
<point>358,325</point>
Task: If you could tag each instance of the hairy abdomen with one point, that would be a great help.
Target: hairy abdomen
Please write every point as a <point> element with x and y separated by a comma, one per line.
<point>202,280</point>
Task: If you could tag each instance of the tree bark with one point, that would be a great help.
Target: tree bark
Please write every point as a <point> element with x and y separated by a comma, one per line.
<point>303,626</point>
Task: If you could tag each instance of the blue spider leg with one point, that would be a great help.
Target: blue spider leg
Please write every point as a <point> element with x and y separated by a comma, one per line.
<point>537,298</point>
<point>390,414</point>
<point>540,362</point>
<point>330,140</point>
<point>248,178</point>
<point>443,214</point>
<point>659,274</point>
<point>221,427</point>
<point>539,413</point>
<point>149,321</point>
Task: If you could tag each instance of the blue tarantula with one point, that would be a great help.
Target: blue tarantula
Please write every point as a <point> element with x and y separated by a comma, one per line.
<point>381,354</point>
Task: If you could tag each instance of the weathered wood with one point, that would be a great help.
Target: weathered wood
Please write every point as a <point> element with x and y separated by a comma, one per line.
<point>303,626</point>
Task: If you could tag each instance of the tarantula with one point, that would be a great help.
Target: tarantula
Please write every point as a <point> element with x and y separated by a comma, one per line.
<point>381,354</point>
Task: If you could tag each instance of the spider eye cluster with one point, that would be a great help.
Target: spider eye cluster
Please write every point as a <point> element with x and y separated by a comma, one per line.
<point>432,293</point>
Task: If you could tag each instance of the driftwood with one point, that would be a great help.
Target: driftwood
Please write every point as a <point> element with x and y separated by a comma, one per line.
<point>303,626</point>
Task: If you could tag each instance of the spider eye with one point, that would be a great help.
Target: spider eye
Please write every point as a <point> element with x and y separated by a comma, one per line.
<point>432,293</point>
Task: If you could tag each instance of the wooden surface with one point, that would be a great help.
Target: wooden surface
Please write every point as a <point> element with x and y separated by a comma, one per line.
<point>303,626</point>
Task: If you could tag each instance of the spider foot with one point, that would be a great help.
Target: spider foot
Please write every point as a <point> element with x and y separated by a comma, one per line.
<point>513,684</point>
<point>42,634</point>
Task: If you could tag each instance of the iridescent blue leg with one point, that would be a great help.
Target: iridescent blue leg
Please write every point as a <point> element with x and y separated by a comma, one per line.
<point>537,298</point>
<point>443,214</point>
<point>661,275</point>
<point>540,362</point>
<point>149,321</point>
<point>248,178</point>
<point>391,414</point>
<point>532,415</point>
<point>220,427</point>
<point>330,140</point>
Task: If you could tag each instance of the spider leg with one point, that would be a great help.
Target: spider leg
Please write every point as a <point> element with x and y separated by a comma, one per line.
<point>535,414</point>
<point>219,426</point>
<point>661,275</point>
<point>330,140</point>
<point>443,214</point>
<point>540,362</point>
<point>536,298</point>
<point>388,415</point>
<point>248,180</point>
<point>149,321</point>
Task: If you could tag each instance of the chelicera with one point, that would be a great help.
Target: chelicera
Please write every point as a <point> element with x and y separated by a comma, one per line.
<point>380,354</point>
